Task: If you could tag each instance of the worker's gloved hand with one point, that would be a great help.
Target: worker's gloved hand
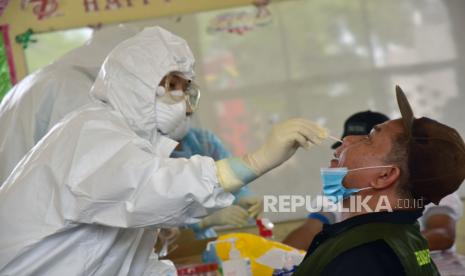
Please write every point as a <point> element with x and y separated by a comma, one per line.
<point>253,205</point>
<point>285,138</point>
<point>283,141</point>
<point>233,215</point>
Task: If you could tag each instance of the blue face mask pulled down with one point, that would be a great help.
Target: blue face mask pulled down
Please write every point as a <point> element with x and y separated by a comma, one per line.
<point>332,182</point>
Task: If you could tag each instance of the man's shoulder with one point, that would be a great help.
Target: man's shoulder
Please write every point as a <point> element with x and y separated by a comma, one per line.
<point>371,258</point>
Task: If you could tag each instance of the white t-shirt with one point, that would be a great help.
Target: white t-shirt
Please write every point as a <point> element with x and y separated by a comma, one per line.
<point>450,205</point>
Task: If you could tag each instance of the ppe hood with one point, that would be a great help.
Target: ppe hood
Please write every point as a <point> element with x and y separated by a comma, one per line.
<point>132,71</point>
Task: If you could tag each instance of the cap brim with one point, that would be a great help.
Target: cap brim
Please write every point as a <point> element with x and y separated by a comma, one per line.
<point>336,145</point>
<point>405,110</point>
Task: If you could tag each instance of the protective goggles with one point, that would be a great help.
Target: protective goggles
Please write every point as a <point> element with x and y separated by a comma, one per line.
<point>179,89</point>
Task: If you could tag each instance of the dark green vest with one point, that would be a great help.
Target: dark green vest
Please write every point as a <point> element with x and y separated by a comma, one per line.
<point>404,239</point>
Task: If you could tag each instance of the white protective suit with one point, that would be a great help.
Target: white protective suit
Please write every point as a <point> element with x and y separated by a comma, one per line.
<point>33,106</point>
<point>89,197</point>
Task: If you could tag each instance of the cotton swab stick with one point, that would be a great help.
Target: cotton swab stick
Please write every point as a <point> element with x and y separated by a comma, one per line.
<point>335,139</point>
<point>309,144</point>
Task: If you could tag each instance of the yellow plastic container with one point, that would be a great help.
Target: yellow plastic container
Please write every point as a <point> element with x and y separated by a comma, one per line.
<point>252,247</point>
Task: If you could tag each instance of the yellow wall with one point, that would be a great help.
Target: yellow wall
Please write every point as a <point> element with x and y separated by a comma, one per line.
<point>53,15</point>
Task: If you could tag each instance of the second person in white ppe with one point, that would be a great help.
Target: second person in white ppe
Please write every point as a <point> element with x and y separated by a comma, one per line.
<point>34,105</point>
<point>90,196</point>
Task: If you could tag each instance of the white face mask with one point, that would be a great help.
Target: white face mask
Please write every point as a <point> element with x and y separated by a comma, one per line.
<point>169,116</point>
<point>181,130</point>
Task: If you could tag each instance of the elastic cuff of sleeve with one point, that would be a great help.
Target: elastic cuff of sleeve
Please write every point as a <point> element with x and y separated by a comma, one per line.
<point>233,173</point>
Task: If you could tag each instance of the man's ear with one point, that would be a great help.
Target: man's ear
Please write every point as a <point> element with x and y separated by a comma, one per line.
<point>386,178</point>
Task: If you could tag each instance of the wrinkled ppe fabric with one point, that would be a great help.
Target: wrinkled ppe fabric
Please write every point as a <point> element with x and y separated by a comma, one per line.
<point>90,196</point>
<point>33,106</point>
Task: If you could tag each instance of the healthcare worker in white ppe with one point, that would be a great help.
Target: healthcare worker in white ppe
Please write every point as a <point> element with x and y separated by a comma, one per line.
<point>33,106</point>
<point>89,197</point>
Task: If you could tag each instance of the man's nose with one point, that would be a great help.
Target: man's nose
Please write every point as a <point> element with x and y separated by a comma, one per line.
<point>348,141</point>
<point>351,139</point>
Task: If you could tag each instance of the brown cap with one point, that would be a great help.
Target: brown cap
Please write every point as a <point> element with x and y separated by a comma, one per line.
<point>436,154</point>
